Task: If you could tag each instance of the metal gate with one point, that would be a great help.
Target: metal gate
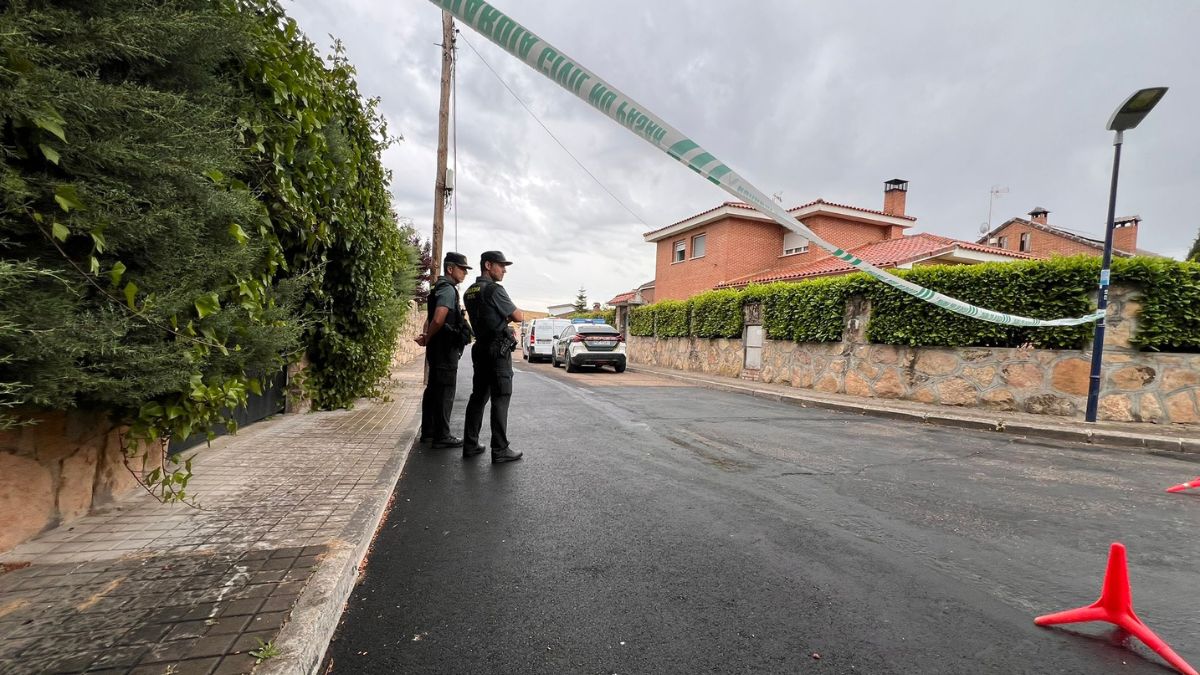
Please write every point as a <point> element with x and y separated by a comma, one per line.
<point>258,407</point>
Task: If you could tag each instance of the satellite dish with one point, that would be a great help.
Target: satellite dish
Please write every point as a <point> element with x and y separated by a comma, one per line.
<point>984,227</point>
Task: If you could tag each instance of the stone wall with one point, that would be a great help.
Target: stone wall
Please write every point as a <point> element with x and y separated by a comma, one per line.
<point>67,463</point>
<point>58,469</point>
<point>408,351</point>
<point>1137,386</point>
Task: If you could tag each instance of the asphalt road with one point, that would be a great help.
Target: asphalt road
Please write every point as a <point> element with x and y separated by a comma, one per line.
<point>660,528</point>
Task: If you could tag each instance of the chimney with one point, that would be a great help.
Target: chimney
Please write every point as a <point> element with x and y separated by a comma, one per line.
<point>1039,215</point>
<point>595,307</point>
<point>1125,231</point>
<point>894,193</point>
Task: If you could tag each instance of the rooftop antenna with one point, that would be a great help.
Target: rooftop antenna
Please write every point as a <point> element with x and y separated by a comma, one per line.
<point>997,191</point>
<point>778,196</point>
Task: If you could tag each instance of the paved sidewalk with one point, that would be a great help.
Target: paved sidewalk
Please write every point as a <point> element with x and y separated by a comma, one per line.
<point>1133,435</point>
<point>289,507</point>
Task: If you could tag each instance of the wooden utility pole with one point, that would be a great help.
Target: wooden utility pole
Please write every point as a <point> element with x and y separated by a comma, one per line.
<point>439,186</point>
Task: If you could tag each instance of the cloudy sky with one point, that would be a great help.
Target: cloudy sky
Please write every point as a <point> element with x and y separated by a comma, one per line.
<point>810,99</point>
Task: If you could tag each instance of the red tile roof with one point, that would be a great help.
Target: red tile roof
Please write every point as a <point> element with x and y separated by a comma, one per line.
<point>885,254</point>
<point>794,208</point>
<point>622,297</point>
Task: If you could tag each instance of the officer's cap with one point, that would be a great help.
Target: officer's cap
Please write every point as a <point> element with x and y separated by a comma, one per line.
<point>495,257</point>
<point>459,259</point>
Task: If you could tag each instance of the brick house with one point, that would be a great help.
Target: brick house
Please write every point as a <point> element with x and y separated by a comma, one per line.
<point>733,245</point>
<point>1037,237</point>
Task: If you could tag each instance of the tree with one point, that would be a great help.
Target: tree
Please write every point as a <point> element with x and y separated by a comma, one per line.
<point>426,269</point>
<point>1194,254</point>
<point>580,303</point>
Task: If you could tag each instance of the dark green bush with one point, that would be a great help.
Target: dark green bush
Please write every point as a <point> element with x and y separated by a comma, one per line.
<point>807,311</point>
<point>1170,316</point>
<point>189,196</point>
<point>143,270</point>
<point>641,321</point>
<point>673,318</point>
<point>717,314</point>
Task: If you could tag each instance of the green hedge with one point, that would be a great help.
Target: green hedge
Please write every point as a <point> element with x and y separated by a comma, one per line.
<point>813,311</point>
<point>1040,289</point>
<point>808,311</point>
<point>641,320</point>
<point>1044,289</point>
<point>1170,316</point>
<point>673,318</point>
<point>717,314</point>
<point>609,316</point>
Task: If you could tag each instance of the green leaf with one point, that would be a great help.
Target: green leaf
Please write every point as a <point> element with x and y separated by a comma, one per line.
<point>131,290</point>
<point>98,240</point>
<point>93,265</point>
<point>207,304</point>
<point>116,272</point>
<point>60,231</point>
<point>214,175</point>
<point>49,153</point>
<point>238,233</point>
<point>67,198</point>
<point>255,386</point>
<point>53,123</point>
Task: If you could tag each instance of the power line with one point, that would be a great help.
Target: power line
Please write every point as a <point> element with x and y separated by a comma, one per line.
<point>547,129</point>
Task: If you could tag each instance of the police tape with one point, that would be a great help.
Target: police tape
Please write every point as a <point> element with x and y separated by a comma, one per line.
<point>551,62</point>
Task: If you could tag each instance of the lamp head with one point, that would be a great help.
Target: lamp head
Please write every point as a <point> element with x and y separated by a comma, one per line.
<point>1135,108</point>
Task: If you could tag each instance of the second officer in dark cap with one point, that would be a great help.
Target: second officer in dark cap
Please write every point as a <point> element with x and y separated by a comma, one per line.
<point>445,336</point>
<point>490,309</point>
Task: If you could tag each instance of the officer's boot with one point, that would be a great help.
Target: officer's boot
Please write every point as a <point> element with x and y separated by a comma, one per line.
<point>506,455</point>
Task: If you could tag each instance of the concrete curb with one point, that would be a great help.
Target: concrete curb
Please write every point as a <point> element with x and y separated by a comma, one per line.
<point>1122,439</point>
<point>304,639</point>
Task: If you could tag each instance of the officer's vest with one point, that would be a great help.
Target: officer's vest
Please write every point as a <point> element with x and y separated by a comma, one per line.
<point>485,318</point>
<point>453,318</point>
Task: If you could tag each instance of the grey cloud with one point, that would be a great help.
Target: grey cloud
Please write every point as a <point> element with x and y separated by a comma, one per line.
<point>811,99</point>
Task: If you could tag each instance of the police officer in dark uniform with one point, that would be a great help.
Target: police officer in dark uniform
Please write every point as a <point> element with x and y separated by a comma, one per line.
<point>445,335</point>
<point>490,309</point>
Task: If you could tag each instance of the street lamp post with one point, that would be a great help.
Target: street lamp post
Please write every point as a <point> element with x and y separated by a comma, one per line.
<point>1128,116</point>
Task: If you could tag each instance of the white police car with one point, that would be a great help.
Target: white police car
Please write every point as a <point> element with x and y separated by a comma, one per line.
<point>588,344</point>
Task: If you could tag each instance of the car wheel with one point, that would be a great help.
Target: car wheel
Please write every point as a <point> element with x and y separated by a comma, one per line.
<point>571,367</point>
<point>554,359</point>
<point>620,367</point>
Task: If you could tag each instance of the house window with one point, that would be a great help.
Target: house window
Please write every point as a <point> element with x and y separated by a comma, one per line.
<point>1025,247</point>
<point>794,243</point>
<point>698,246</point>
<point>680,251</point>
<point>1003,242</point>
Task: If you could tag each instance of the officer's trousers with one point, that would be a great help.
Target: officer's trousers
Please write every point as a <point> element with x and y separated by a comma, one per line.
<point>492,380</point>
<point>438,399</point>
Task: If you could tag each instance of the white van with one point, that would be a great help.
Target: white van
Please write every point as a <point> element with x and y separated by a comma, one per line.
<point>535,343</point>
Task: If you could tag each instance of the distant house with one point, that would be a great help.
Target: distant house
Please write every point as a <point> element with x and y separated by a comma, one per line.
<point>733,245</point>
<point>1035,236</point>
<point>623,302</point>
<point>561,310</point>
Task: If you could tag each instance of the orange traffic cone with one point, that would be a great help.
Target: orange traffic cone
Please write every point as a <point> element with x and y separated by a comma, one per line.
<point>1185,486</point>
<point>1115,606</point>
